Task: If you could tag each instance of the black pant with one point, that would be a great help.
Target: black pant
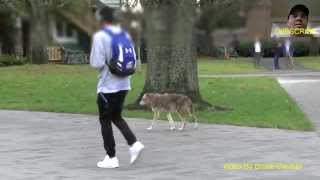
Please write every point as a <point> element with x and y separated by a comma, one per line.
<point>110,108</point>
<point>276,61</point>
<point>257,58</point>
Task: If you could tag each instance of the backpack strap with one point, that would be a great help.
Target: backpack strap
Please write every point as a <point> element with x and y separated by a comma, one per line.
<point>110,33</point>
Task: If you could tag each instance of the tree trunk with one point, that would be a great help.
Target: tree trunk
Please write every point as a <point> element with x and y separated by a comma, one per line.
<point>210,44</point>
<point>7,33</point>
<point>38,32</point>
<point>171,51</point>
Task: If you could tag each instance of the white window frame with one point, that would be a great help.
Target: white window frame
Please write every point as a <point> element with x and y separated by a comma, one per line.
<point>64,38</point>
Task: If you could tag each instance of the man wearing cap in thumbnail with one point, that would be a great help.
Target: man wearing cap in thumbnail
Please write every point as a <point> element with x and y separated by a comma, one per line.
<point>298,17</point>
<point>297,23</point>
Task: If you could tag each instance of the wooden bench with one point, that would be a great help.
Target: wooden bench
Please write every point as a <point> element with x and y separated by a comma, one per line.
<point>55,55</point>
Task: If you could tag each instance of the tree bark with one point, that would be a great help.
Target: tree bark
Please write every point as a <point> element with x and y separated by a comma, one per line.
<point>7,32</point>
<point>38,32</point>
<point>171,51</point>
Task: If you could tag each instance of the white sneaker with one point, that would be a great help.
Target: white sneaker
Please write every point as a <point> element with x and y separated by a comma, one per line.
<point>135,150</point>
<point>108,162</point>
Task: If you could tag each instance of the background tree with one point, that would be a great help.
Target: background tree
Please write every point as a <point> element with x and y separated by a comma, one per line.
<point>227,14</point>
<point>172,65</point>
<point>36,13</point>
<point>7,30</point>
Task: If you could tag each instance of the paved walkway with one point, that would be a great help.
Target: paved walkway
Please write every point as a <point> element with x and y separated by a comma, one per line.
<point>283,64</point>
<point>298,71</point>
<point>64,146</point>
<point>277,73</point>
<point>305,90</point>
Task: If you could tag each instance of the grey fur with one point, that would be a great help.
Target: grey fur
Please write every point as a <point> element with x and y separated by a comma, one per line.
<point>169,103</point>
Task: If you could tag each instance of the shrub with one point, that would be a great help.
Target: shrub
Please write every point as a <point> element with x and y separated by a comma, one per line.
<point>267,48</point>
<point>10,60</point>
<point>246,49</point>
<point>301,48</point>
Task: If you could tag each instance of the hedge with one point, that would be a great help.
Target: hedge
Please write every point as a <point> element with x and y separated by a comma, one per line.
<point>300,48</point>
<point>10,60</point>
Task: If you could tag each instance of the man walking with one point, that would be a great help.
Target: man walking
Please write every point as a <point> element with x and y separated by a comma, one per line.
<point>289,53</point>
<point>257,52</point>
<point>277,51</point>
<point>112,88</point>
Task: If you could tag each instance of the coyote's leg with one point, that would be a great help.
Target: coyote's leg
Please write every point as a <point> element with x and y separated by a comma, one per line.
<point>183,122</point>
<point>156,115</point>
<point>171,122</point>
<point>195,119</point>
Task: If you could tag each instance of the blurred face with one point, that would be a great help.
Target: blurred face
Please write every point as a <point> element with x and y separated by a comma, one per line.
<point>298,20</point>
<point>104,23</point>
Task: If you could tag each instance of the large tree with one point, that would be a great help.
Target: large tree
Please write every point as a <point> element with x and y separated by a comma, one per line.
<point>38,15</point>
<point>7,31</point>
<point>37,12</point>
<point>172,65</point>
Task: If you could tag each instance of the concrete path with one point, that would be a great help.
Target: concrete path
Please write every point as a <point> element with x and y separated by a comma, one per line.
<point>63,146</point>
<point>306,92</point>
<point>277,73</point>
<point>298,71</point>
<point>283,64</point>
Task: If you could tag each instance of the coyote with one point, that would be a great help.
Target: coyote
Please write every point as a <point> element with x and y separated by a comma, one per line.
<point>169,103</point>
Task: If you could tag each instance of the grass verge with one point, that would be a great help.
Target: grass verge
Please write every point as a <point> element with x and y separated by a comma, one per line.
<point>258,102</point>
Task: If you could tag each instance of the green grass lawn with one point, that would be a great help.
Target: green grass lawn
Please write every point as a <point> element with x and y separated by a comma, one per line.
<point>258,102</point>
<point>219,66</point>
<point>222,66</point>
<point>312,62</point>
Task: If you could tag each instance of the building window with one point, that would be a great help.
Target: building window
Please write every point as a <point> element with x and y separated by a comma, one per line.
<point>59,29</point>
<point>69,31</point>
<point>64,32</point>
